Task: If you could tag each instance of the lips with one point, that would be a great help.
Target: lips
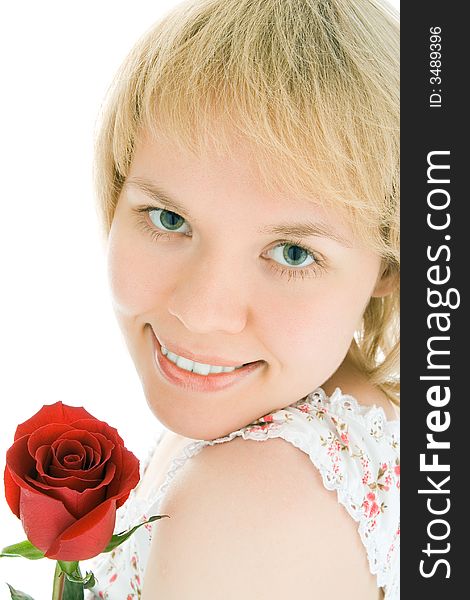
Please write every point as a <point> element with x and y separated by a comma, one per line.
<point>207,359</point>
<point>196,367</point>
<point>196,382</point>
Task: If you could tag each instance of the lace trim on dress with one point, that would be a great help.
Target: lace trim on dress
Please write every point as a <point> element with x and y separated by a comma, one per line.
<point>371,419</point>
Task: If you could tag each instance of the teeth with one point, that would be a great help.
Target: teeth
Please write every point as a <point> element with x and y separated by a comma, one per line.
<point>195,367</point>
<point>184,363</point>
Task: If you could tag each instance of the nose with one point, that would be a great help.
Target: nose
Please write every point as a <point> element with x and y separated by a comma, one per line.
<point>210,296</point>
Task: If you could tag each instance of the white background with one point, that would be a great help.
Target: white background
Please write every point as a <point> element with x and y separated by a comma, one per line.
<point>59,339</point>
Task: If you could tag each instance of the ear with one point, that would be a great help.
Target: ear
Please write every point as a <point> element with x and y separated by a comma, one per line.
<point>387,282</point>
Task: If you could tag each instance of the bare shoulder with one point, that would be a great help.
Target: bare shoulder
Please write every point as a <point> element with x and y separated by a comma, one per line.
<point>253,519</point>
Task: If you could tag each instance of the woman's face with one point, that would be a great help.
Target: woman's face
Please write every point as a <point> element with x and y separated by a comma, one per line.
<point>209,273</point>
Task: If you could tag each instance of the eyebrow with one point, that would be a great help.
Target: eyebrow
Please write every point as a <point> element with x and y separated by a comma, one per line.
<point>301,230</point>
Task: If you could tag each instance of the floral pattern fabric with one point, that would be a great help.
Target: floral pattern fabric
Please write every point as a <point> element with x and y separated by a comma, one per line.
<point>354,447</point>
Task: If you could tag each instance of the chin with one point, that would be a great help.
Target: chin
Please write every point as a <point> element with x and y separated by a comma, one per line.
<point>186,425</point>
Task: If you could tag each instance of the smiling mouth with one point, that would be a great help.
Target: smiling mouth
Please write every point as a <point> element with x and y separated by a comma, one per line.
<point>201,377</point>
<point>197,371</point>
<point>201,369</point>
<point>197,363</point>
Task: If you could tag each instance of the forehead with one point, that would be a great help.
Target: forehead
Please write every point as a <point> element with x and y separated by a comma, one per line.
<point>168,159</point>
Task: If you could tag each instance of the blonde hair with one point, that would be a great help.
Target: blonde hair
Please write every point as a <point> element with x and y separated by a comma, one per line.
<point>311,85</point>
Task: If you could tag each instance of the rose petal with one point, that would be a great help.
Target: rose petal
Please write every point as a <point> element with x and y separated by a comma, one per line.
<point>19,460</point>
<point>99,442</point>
<point>100,427</point>
<point>44,483</point>
<point>43,518</point>
<point>52,413</point>
<point>103,445</point>
<point>87,475</point>
<point>69,453</point>
<point>73,482</point>
<point>86,438</point>
<point>127,477</point>
<point>90,457</point>
<point>92,475</point>
<point>74,461</point>
<point>77,502</point>
<point>44,466</point>
<point>12,492</point>
<point>46,435</point>
<point>81,503</point>
<point>116,458</point>
<point>44,456</point>
<point>92,449</point>
<point>23,483</point>
<point>87,537</point>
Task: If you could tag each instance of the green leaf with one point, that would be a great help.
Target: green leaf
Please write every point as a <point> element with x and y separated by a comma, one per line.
<point>119,538</point>
<point>24,549</point>
<point>72,591</point>
<point>17,595</point>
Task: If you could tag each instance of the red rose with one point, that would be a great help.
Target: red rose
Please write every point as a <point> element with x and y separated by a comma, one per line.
<point>66,474</point>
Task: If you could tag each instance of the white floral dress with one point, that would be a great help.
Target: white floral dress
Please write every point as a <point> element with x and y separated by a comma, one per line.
<point>357,452</point>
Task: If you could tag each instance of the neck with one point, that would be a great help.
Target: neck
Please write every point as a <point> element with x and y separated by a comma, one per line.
<point>347,377</point>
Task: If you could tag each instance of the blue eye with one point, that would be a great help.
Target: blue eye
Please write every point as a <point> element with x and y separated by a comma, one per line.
<point>167,219</point>
<point>293,255</point>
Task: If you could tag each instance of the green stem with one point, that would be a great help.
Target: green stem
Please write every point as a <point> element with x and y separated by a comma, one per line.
<point>58,587</point>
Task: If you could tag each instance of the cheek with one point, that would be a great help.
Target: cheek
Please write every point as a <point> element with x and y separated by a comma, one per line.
<point>317,327</point>
<point>136,281</point>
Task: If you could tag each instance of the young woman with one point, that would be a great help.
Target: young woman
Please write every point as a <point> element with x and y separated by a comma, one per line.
<point>247,170</point>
